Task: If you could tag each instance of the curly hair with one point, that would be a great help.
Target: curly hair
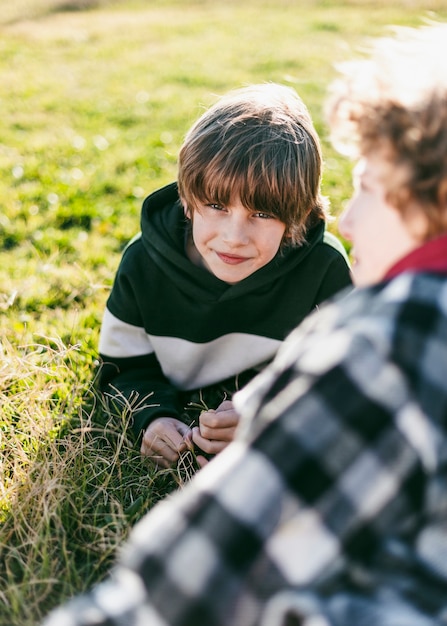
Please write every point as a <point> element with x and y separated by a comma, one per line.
<point>395,101</point>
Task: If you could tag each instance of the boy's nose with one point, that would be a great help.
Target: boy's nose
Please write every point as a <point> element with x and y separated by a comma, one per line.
<point>235,232</point>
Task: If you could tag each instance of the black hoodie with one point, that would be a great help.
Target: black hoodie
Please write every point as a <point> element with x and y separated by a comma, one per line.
<point>171,326</point>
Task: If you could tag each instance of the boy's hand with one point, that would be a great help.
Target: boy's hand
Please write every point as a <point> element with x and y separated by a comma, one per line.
<point>216,429</point>
<point>165,439</point>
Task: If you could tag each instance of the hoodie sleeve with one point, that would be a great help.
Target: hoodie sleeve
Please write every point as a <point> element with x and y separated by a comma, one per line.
<point>133,385</point>
<point>131,377</point>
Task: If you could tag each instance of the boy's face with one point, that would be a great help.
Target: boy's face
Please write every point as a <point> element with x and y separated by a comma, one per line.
<point>232,241</point>
<point>379,233</point>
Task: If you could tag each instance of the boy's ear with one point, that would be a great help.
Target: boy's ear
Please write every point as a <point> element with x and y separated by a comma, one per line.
<point>186,209</point>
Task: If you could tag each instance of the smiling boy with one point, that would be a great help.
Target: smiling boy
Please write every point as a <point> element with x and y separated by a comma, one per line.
<point>232,242</point>
<point>230,259</point>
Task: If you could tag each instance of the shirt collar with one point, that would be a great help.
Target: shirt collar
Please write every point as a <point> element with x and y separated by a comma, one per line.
<point>430,257</point>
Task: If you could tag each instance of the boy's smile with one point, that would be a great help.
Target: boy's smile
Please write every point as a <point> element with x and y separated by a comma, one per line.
<point>233,242</point>
<point>231,259</point>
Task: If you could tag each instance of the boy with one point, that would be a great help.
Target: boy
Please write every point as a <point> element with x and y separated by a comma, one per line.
<point>229,260</point>
<point>330,506</point>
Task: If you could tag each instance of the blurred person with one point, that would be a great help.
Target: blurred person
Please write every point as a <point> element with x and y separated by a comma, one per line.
<point>229,260</point>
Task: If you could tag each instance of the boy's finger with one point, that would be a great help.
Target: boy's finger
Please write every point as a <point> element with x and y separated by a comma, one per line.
<point>219,434</point>
<point>221,419</point>
<point>226,405</point>
<point>201,460</point>
<point>207,445</point>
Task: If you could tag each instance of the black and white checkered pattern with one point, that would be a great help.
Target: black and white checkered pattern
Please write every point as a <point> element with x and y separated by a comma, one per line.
<point>332,502</point>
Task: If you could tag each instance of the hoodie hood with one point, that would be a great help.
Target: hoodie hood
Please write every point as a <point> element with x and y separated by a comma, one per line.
<point>163,231</point>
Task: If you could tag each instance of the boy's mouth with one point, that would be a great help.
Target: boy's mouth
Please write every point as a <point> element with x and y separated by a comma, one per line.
<point>231,259</point>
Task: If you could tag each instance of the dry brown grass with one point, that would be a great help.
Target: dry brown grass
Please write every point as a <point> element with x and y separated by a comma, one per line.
<point>71,482</point>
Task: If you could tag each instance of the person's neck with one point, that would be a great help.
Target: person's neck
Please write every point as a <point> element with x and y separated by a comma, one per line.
<point>429,257</point>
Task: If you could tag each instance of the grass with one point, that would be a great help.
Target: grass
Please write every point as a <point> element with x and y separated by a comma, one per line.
<point>96,98</point>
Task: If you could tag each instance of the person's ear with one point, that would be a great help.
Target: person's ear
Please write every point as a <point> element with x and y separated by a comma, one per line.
<point>287,237</point>
<point>186,209</point>
<point>417,222</point>
<point>412,215</point>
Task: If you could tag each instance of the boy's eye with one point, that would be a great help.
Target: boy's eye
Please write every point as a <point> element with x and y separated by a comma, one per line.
<point>265,216</point>
<point>214,205</point>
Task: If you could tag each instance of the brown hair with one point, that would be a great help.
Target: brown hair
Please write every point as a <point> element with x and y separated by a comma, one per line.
<point>259,143</point>
<point>395,102</point>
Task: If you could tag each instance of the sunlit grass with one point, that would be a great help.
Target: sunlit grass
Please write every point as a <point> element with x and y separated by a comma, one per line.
<point>94,106</point>
<point>71,484</point>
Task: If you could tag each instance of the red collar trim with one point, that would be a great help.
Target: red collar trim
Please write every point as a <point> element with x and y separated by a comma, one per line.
<point>430,257</point>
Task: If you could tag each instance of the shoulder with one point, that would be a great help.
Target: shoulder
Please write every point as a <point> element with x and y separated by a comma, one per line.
<point>413,304</point>
<point>334,246</point>
<point>135,262</point>
<point>329,261</point>
<point>161,197</point>
<point>420,302</point>
<point>324,247</point>
<point>360,316</point>
<point>133,249</point>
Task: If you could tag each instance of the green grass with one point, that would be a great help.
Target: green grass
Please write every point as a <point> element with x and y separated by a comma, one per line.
<point>94,105</point>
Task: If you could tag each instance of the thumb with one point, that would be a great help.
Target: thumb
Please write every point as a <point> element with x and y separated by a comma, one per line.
<point>184,430</point>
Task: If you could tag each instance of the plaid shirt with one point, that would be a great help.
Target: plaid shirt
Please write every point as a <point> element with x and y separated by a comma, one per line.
<point>330,507</point>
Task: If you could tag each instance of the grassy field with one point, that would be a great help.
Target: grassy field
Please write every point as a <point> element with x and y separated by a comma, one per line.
<point>96,98</point>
